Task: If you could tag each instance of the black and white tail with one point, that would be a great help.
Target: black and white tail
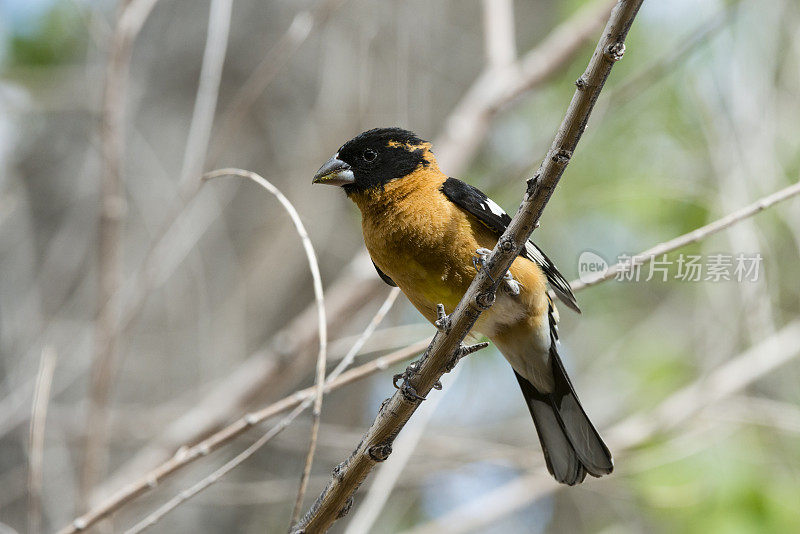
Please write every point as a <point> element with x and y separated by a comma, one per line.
<point>572,446</point>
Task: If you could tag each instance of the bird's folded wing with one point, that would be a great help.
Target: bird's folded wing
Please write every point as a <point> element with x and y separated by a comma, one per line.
<point>490,214</point>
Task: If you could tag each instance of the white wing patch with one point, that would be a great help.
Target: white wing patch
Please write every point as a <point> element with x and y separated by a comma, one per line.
<point>494,207</point>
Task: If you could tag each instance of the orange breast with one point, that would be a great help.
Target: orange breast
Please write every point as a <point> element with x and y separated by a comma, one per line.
<point>425,243</point>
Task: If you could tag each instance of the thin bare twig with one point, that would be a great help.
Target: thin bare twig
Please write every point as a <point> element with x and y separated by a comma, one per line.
<point>692,237</point>
<point>322,322</point>
<point>391,298</point>
<point>336,500</point>
<point>201,485</point>
<point>188,493</point>
<point>41,398</point>
<point>186,455</point>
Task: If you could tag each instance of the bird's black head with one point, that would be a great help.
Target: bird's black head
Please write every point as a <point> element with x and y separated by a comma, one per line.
<point>374,158</point>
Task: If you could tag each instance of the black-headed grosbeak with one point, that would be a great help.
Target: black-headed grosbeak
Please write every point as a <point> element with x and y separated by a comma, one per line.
<point>423,231</point>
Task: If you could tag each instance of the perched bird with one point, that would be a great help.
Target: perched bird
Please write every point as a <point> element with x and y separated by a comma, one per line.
<point>426,234</point>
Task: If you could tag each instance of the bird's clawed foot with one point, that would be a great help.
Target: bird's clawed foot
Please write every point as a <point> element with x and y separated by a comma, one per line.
<point>465,350</point>
<point>512,285</point>
<point>442,323</point>
<point>480,260</point>
<point>406,388</point>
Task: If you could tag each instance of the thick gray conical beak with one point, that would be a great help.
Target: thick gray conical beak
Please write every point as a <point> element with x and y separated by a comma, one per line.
<point>334,172</point>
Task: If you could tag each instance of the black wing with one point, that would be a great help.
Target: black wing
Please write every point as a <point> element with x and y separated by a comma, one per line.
<point>384,276</point>
<point>472,200</point>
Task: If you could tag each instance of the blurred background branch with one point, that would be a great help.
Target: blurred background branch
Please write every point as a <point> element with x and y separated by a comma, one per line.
<point>41,399</point>
<point>112,208</point>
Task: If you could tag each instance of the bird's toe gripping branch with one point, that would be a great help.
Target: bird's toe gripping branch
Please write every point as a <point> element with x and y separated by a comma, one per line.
<point>407,388</point>
<point>512,286</point>
<point>480,260</point>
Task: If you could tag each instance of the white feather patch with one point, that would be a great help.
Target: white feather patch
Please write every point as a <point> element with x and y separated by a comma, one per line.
<point>494,207</point>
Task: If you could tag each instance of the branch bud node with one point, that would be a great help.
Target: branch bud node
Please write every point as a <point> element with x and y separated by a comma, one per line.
<point>562,157</point>
<point>614,51</point>
<point>345,509</point>
<point>533,184</point>
<point>442,322</point>
<point>380,452</point>
<point>337,471</point>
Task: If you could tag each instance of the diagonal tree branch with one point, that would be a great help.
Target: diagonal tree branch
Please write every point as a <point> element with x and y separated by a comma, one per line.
<point>336,499</point>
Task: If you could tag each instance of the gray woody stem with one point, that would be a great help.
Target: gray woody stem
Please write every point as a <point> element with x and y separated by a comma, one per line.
<point>336,498</point>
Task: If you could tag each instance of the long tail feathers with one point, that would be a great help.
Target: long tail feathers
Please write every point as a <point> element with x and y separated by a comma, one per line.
<point>572,446</point>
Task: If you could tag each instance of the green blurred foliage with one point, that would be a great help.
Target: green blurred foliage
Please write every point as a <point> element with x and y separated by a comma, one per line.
<point>58,37</point>
<point>733,487</point>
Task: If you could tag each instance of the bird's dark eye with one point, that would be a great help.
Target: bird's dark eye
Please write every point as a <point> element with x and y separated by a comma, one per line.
<point>369,155</point>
